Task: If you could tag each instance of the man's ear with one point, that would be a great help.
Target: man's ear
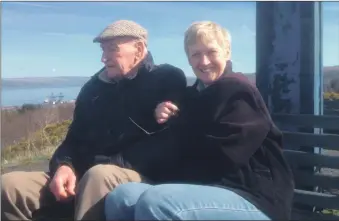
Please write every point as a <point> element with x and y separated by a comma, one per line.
<point>140,49</point>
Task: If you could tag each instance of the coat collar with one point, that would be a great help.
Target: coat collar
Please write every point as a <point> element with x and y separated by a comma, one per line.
<point>147,64</point>
<point>200,86</point>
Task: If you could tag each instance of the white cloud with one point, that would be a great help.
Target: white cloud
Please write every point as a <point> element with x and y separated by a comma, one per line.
<point>30,4</point>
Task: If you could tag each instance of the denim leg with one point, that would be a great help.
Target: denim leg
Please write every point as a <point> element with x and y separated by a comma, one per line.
<point>194,202</point>
<point>119,203</point>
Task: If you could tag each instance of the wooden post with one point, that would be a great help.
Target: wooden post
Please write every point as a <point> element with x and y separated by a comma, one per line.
<point>289,64</point>
<point>289,59</point>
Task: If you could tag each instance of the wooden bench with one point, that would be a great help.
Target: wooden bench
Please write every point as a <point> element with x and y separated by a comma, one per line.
<point>317,189</point>
<point>317,181</point>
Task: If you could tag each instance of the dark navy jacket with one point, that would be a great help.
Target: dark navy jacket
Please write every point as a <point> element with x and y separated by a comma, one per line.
<point>114,123</point>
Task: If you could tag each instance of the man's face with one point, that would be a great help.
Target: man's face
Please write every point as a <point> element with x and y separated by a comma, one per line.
<point>120,56</point>
<point>208,60</point>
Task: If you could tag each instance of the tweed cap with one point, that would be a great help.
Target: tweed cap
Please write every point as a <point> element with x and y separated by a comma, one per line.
<point>122,28</point>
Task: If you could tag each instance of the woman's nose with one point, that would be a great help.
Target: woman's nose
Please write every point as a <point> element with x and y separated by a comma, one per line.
<point>205,60</point>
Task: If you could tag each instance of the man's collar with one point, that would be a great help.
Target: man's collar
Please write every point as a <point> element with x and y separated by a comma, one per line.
<point>103,77</point>
<point>146,64</point>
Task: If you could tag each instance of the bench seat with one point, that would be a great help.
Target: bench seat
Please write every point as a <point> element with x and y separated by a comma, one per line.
<point>313,155</point>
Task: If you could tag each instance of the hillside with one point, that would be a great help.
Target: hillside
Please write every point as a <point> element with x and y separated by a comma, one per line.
<point>43,82</point>
<point>330,73</point>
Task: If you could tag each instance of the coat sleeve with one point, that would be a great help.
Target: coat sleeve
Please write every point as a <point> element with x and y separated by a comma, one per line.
<point>240,121</point>
<point>173,84</point>
<point>66,153</point>
<point>174,88</point>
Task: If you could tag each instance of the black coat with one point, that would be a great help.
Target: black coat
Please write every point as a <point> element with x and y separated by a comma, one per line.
<point>229,140</point>
<point>114,123</point>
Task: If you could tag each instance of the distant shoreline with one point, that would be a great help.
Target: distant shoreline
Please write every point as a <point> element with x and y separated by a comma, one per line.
<point>16,97</point>
<point>13,107</point>
<point>9,107</point>
<point>330,73</point>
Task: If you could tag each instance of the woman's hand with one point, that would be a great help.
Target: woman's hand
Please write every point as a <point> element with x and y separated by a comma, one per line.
<point>164,111</point>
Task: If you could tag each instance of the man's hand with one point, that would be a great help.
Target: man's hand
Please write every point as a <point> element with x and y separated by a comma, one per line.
<point>164,111</point>
<point>63,183</point>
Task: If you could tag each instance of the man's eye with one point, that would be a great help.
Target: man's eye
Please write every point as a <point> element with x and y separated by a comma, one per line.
<point>110,49</point>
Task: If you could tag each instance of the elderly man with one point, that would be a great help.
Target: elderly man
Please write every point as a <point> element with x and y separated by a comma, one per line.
<point>114,137</point>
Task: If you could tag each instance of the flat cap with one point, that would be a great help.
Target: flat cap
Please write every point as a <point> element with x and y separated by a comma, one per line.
<point>122,28</point>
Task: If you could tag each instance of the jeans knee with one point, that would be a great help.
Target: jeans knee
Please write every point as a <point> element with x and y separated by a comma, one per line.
<point>119,203</point>
<point>113,203</point>
<point>120,197</point>
<point>154,203</point>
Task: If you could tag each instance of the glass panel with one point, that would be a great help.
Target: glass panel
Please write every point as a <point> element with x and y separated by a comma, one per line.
<point>331,57</point>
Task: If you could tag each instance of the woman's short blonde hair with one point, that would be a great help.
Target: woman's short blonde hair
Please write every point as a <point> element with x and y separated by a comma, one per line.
<point>206,31</point>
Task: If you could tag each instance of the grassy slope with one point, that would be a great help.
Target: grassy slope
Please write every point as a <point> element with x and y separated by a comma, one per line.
<point>40,145</point>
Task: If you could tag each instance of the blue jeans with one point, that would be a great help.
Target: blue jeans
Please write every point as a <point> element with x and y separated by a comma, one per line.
<point>139,201</point>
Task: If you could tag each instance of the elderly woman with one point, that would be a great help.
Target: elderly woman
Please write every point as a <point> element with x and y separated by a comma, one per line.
<point>232,161</point>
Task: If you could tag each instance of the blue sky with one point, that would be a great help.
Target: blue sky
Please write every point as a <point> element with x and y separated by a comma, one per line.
<point>41,39</point>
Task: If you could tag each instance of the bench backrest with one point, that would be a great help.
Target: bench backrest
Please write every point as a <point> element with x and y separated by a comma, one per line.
<point>318,171</point>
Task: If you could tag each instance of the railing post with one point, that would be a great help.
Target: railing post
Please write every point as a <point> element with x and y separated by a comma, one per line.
<point>289,64</point>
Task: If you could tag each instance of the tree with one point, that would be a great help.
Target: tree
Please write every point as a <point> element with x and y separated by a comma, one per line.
<point>334,84</point>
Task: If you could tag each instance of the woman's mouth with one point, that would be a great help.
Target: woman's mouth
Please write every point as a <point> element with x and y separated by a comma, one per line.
<point>205,70</point>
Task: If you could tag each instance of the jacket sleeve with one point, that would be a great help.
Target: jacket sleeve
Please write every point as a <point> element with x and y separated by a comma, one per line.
<point>173,89</point>
<point>240,121</point>
<point>65,154</point>
<point>174,83</point>
<point>155,151</point>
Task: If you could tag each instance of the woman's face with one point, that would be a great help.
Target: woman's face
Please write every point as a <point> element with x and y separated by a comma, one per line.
<point>208,60</point>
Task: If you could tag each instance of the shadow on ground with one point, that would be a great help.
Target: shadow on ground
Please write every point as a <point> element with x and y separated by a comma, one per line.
<point>41,165</point>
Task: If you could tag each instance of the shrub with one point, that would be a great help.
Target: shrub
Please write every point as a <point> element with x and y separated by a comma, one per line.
<point>41,143</point>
